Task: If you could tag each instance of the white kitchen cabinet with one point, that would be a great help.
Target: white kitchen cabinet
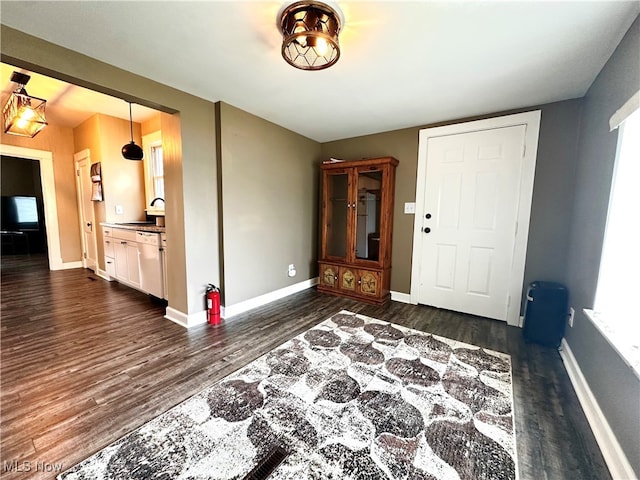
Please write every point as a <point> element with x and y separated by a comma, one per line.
<point>126,266</point>
<point>122,270</point>
<point>109,252</point>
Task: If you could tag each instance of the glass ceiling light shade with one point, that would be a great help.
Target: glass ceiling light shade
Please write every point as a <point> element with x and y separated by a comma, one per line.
<point>23,114</point>
<point>130,150</point>
<point>310,35</point>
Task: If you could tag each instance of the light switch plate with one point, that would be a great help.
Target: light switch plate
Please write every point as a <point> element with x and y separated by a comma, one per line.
<point>410,207</point>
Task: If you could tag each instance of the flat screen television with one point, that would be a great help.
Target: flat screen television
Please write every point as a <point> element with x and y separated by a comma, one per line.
<point>19,213</point>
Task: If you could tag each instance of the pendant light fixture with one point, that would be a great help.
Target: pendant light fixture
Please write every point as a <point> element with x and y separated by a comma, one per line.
<point>23,114</point>
<point>310,35</point>
<point>131,151</point>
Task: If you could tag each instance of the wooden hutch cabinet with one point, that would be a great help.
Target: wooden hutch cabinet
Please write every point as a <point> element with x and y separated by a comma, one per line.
<point>357,224</point>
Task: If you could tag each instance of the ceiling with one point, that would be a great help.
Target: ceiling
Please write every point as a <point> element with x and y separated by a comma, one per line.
<point>402,63</point>
<point>70,105</point>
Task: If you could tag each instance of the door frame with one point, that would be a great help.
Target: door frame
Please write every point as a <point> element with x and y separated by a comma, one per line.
<point>45,158</point>
<point>79,157</point>
<point>531,121</point>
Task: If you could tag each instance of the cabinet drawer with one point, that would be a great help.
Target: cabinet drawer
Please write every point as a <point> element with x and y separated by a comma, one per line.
<point>108,247</point>
<point>107,232</point>
<point>110,266</point>
<point>126,235</point>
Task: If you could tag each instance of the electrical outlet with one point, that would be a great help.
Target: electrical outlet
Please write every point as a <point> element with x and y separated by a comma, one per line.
<point>410,207</point>
<point>119,210</point>
<point>292,270</point>
<point>572,313</point>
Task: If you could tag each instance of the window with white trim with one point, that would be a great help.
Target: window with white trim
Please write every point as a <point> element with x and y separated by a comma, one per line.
<point>157,170</point>
<point>153,172</point>
<point>615,308</point>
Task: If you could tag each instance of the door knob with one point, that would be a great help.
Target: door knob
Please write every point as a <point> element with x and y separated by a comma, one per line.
<point>427,216</point>
<point>426,230</point>
<point>88,224</point>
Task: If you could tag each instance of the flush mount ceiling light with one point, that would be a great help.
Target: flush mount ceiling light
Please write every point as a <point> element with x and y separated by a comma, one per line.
<point>23,114</point>
<point>310,35</point>
<point>130,150</point>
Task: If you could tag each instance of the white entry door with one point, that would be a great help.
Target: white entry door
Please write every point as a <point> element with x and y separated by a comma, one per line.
<point>469,219</point>
<point>85,210</point>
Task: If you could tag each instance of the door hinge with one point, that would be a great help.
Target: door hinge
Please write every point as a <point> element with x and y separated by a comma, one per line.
<point>516,231</point>
<point>77,173</point>
<point>524,149</point>
<point>84,255</point>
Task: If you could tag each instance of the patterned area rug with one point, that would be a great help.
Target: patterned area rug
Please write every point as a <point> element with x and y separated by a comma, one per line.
<point>352,398</point>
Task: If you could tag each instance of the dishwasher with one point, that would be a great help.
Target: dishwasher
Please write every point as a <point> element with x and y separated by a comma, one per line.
<point>151,280</point>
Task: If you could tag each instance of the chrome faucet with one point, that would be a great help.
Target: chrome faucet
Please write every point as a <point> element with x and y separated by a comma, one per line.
<point>155,200</point>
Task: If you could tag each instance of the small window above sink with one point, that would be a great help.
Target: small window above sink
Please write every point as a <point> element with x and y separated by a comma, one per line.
<point>153,172</point>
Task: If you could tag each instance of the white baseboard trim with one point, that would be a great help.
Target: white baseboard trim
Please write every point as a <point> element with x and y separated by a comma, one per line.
<point>103,275</point>
<point>65,265</point>
<point>246,305</point>
<point>184,320</point>
<point>400,297</point>
<point>614,456</point>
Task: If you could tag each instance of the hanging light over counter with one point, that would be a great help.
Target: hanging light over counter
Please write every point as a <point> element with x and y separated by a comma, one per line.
<point>130,150</point>
<point>310,35</point>
<point>23,114</point>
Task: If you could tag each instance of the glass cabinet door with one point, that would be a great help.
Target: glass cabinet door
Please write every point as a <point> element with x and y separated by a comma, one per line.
<point>337,196</point>
<point>368,215</point>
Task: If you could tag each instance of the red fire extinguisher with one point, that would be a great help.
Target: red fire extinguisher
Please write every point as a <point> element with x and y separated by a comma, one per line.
<point>213,304</point>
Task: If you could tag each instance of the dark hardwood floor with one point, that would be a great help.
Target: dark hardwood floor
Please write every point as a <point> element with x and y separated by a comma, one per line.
<point>85,361</point>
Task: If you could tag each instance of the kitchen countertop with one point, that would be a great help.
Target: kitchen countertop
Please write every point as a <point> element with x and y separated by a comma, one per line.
<point>138,226</point>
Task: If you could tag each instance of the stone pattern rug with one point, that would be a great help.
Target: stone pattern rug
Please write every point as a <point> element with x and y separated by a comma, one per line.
<point>352,398</point>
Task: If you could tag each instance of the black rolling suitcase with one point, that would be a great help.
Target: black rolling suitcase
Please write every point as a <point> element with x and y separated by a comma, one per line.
<point>546,313</point>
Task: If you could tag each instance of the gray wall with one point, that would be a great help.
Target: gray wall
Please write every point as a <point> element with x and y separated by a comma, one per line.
<point>270,183</point>
<point>552,191</point>
<point>613,383</point>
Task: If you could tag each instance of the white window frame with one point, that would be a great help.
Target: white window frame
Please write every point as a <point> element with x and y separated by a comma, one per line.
<point>623,334</point>
<point>149,142</point>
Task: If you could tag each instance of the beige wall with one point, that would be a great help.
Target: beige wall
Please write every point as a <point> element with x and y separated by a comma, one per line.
<point>270,205</point>
<point>192,219</point>
<point>59,141</point>
<point>122,180</point>
<point>172,159</point>
<point>151,125</point>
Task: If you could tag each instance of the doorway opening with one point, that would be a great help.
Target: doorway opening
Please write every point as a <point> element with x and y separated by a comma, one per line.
<point>22,220</point>
<point>49,205</point>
